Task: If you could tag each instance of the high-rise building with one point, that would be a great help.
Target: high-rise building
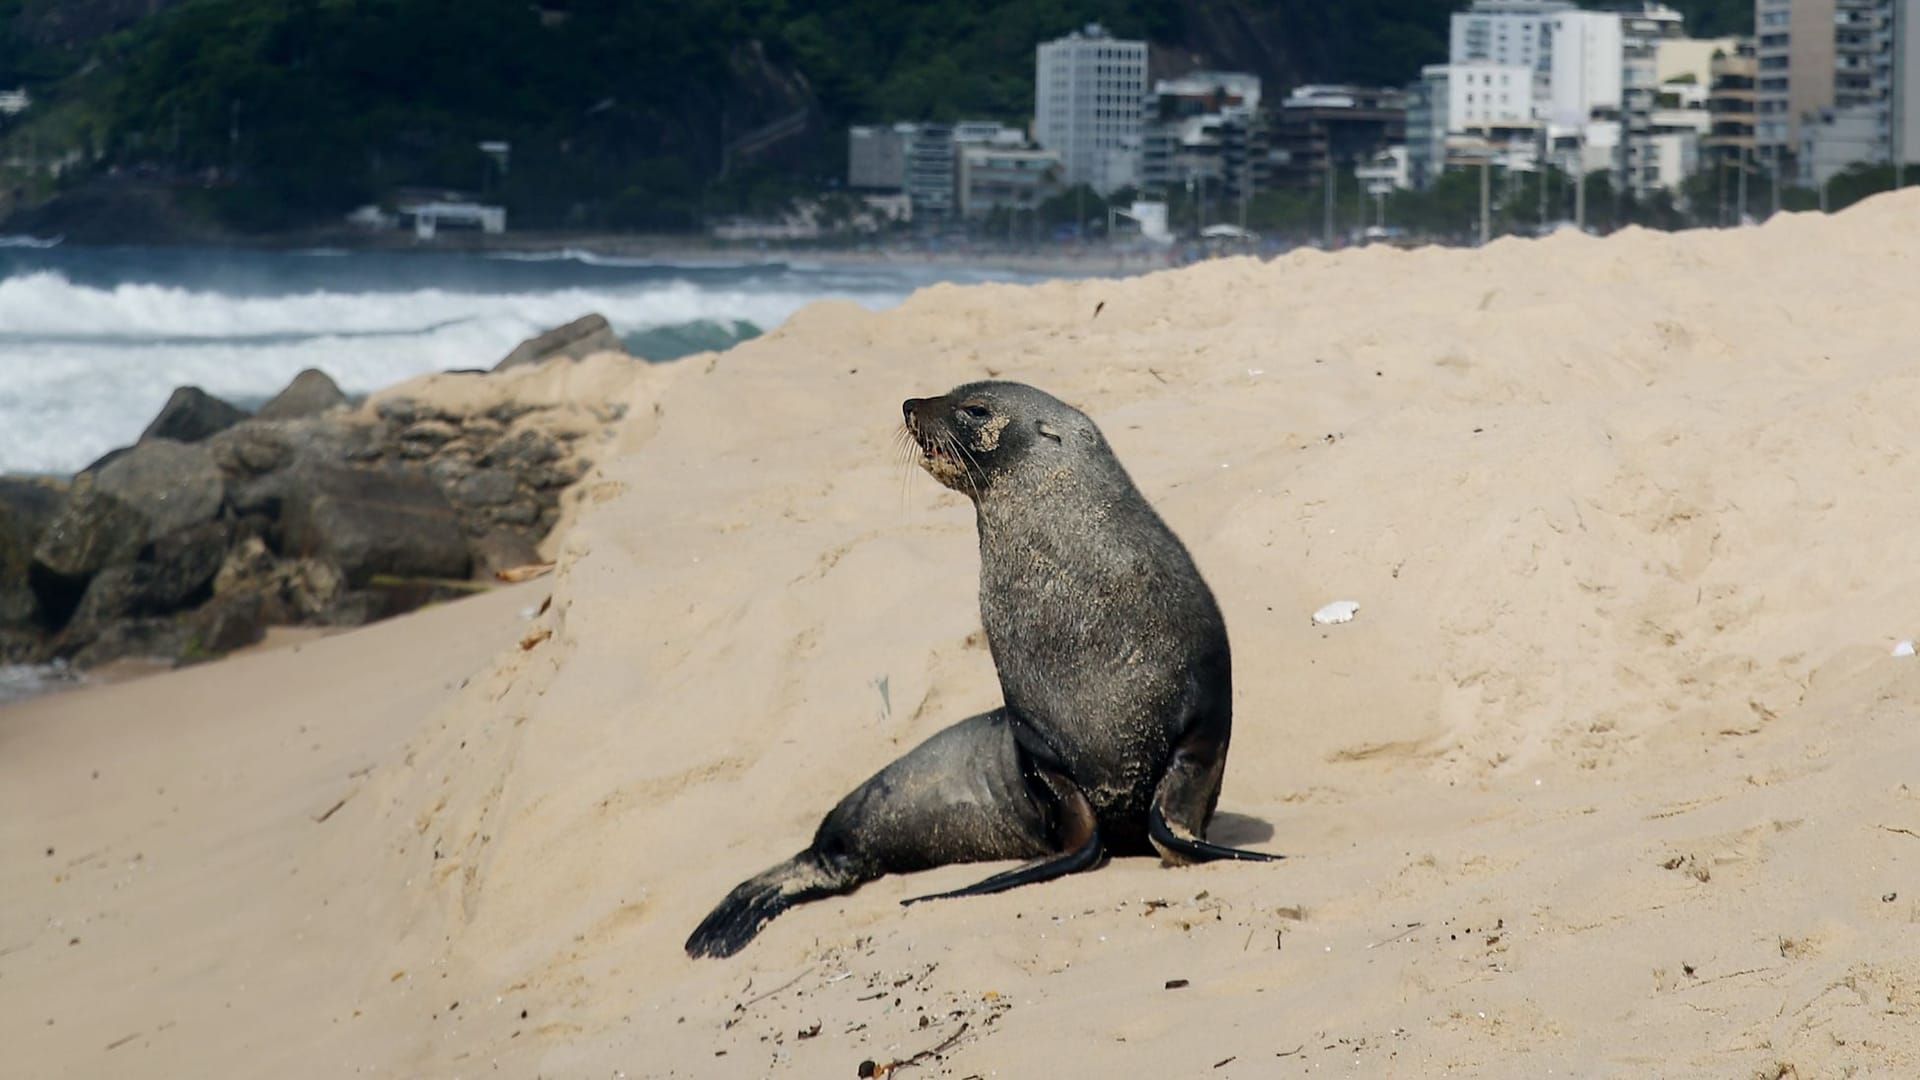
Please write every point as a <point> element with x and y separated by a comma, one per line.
<point>1090,94</point>
<point>1320,128</point>
<point>1813,55</point>
<point>1428,121</point>
<point>1833,89</point>
<point>1585,64</point>
<point>1730,104</point>
<point>1649,155</point>
<point>1902,81</point>
<point>1205,127</point>
<point>1505,32</point>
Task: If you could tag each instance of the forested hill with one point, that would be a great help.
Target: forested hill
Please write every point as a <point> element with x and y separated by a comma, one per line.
<point>621,114</point>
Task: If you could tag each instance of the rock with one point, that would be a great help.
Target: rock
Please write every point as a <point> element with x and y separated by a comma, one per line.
<point>183,564</point>
<point>502,549</point>
<point>372,521</point>
<point>21,647</point>
<point>223,625</point>
<point>558,475</point>
<point>32,503</point>
<point>431,433</point>
<point>172,484</point>
<point>94,529</point>
<point>291,590</point>
<point>309,394</point>
<point>263,446</point>
<point>18,604</point>
<point>191,415</point>
<point>111,596</point>
<point>157,639</point>
<point>27,508</point>
<point>524,450</point>
<point>402,411</point>
<point>482,429</point>
<point>246,567</point>
<point>518,512</point>
<point>486,487</point>
<point>174,573</point>
<point>580,338</point>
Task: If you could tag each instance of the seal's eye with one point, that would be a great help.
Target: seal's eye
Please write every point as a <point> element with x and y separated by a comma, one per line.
<point>976,413</point>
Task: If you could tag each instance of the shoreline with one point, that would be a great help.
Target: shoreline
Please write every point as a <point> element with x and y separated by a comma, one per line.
<point>671,250</point>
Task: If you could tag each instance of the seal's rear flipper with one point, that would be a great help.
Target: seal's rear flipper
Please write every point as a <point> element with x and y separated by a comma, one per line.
<point>1071,862</point>
<point>1075,830</point>
<point>754,903</point>
<point>1176,848</point>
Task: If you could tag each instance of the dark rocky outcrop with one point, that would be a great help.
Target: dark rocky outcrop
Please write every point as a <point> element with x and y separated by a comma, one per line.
<point>172,484</point>
<point>92,531</point>
<point>309,513</point>
<point>580,338</point>
<point>192,414</point>
<point>309,394</point>
<point>18,605</point>
<point>372,521</point>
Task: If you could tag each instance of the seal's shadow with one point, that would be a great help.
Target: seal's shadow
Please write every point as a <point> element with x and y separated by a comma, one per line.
<point>1238,830</point>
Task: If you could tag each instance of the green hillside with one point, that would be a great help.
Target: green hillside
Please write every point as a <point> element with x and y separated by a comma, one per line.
<point>269,114</point>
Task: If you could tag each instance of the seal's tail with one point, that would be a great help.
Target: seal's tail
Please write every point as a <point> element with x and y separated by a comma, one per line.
<point>754,902</point>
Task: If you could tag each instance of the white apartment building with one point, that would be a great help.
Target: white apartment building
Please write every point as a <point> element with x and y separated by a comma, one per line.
<point>1586,63</point>
<point>1505,32</point>
<point>1572,57</point>
<point>1482,93</point>
<point>1090,96</point>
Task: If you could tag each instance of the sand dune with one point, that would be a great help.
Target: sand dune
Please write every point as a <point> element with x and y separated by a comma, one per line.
<point>1614,774</point>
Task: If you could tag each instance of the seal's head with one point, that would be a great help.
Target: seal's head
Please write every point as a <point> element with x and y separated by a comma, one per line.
<point>980,433</point>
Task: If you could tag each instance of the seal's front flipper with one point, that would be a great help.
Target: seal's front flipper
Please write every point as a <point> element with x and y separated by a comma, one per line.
<point>1183,803</point>
<point>1176,848</point>
<point>1075,829</point>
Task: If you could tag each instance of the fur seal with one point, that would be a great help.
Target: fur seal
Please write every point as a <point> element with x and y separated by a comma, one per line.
<point>1113,663</point>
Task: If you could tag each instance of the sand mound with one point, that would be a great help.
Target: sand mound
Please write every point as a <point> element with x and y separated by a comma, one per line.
<point>1612,774</point>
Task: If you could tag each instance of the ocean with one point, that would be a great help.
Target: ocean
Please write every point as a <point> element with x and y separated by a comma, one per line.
<point>93,340</point>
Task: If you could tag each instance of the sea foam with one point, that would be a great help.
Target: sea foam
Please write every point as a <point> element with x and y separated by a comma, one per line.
<point>83,367</point>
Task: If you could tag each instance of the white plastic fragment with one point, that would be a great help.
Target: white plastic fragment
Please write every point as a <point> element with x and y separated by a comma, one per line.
<point>1903,648</point>
<point>1337,612</point>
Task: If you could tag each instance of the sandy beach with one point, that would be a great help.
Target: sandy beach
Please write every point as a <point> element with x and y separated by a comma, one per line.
<point>1614,774</point>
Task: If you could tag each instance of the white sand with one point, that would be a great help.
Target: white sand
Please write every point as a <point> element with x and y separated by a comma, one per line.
<point>1613,774</point>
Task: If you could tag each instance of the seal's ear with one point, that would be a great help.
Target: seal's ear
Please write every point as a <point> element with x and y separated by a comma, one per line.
<point>1046,429</point>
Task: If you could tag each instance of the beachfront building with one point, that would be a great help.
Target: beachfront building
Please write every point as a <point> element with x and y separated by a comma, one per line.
<point>428,217</point>
<point>1832,85</point>
<point>1090,93</point>
<point>1816,58</point>
<point>994,176</point>
<point>1650,146</point>
<point>1733,74</point>
<point>1320,128</point>
<point>1506,32</point>
<point>1875,118</point>
<point>1427,122</point>
<point>1573,61</point>
<point>877,157</point>
<point>930,170</point>
<point>921,161</point>
<point>1205,130</point>
<point>1481,92</point>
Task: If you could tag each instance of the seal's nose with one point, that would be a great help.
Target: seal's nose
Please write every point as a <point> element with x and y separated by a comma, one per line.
<point>907,407</point>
